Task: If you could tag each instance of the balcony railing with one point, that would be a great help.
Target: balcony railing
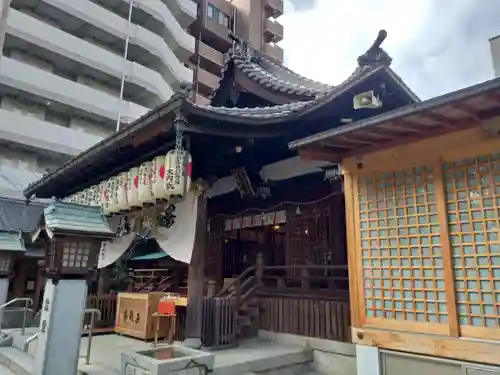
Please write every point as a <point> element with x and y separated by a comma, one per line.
<point>273,30</point>
<point>274,51</point>
<point>274,7</point>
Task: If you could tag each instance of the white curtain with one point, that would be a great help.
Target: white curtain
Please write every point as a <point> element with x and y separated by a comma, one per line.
<point>112,250</point>
<point>178,240</point>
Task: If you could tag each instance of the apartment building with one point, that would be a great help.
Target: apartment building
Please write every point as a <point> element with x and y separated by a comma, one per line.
<point>61,73</point>
<point>64,81</point>
<point>495,54</point>
<point>254,21</point>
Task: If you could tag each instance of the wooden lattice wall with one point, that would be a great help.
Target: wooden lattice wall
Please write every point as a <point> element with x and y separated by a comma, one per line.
<point>423,226</point>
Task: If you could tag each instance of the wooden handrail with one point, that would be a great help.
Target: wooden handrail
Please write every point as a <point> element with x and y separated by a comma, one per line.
<point>239,279</point>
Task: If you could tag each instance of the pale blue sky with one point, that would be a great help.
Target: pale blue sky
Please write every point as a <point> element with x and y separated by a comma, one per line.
<point>437,46</point>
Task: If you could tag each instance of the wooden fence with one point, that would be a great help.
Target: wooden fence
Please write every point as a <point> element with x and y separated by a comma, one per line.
<point>106,304</point>
<point>219,322</point>
<point>326,319</point>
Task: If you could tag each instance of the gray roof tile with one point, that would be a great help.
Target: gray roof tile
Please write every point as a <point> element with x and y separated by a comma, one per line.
<point>16,215</point>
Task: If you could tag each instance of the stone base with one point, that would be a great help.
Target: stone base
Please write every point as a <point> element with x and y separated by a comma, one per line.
<point>193,343</point>
<point>168,359</point>
<point>5,340</point>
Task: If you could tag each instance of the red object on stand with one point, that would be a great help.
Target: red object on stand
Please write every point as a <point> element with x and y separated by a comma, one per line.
<point>166,307</point>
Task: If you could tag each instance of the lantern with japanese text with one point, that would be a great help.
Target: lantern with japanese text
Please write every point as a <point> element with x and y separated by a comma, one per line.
<point>104,191</point>
<point>121,192</point>
<point>94,195</point>
<point>113,187</point>
<point>158,178</point>
<point>145,188</point>
<point>178,173</point>
<point>133,188</point>
<point>80,198</point>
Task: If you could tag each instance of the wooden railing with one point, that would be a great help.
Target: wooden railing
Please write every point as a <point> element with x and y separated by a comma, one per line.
<point>309,300</point>
<point>326,319</point>
<point>106,304</point>
<point>219,322</point>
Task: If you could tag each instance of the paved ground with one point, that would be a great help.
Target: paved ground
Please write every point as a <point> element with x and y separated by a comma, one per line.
<point>106,357</point>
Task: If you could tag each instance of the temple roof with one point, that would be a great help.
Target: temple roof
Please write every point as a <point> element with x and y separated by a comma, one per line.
<point>15,215</point>
<point>154,133</point>
<point>244,64</point>
<point>68,218</point>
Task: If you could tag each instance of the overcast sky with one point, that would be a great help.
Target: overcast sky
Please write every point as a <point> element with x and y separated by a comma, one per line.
<point>437,46</point>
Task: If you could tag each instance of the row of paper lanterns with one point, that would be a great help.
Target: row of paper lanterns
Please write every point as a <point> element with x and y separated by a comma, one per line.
<point>163,178</point>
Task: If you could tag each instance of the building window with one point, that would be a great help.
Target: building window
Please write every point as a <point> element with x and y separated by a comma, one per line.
<point>76,254</point>
<point>211,11</point>
<point>219,16</point>
<point>224,19</point>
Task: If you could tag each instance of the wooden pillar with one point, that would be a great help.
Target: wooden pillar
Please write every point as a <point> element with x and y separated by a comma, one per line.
<point>104,281</point>
<point>196,278</point>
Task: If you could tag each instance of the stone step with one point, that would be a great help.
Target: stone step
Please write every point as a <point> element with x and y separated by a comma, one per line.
<point>294,362</point>
<point>5,371</point>
<point>16,361</point>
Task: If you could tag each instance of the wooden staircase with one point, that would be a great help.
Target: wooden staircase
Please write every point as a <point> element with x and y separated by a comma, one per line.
<point>155,280</point>
<point>246,303</point>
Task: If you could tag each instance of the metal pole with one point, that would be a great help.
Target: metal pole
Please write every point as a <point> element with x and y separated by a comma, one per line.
<point>125,55</point>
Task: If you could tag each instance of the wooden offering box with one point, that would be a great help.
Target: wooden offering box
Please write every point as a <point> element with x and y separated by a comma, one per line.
<point>134,315</point>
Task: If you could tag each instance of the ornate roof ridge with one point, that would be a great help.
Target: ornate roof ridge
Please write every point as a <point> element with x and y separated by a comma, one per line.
<point>275,76</point>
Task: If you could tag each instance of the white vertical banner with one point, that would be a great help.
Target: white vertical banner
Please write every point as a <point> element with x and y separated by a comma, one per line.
<point>175,235</point>
<point>112,250</point>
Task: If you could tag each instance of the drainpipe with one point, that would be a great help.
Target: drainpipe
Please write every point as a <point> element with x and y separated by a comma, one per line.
<point>124,65</point>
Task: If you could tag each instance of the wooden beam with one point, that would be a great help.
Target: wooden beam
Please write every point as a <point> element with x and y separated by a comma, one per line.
<point>446,250</point>
<point>318,154</point>
<point>495,96</point>
<point>467,110</point>
<point>407,128</point>
<point>404,140</point>
<point>439,119</point>
<point>360,141</point>
<point>196,277</point>
<point>433,345</point>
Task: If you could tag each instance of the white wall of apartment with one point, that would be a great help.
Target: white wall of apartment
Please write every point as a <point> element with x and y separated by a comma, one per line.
<point>495,54</point>
<point>60,73</point>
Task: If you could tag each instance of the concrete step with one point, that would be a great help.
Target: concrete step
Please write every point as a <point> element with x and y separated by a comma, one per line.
<point>293,362</point>
<point>5,371</point>
<point>19,339</point>
<point>16,361</point>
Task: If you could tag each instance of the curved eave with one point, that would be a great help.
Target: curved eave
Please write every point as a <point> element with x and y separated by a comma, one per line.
<point>151,134</point>
<point>444,114</point>
<point>107,146</point>
<point>280,113</point>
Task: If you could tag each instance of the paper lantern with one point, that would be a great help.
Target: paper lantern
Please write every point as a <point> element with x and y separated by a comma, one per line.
<point>158,178</point>
<point>177,174</point>
<point>113,187</point>
<point>121,192</point>
<point>80,198</point>
<point>105,200</point>
<point>133,188</point>
<point>145,188</point>
<point>94,195</point>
